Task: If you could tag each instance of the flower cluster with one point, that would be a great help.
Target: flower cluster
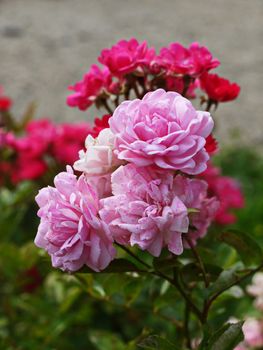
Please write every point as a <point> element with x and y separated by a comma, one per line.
<point>42,147</point>
<point>133,67</point>
<point>136,188</point>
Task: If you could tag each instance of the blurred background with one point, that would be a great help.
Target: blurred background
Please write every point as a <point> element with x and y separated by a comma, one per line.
<point>47,45</point>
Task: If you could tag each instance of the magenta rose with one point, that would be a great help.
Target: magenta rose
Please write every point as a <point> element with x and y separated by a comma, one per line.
<point>192,61</point>
<point>162,129</point>
<point>228,192</point>
<point>70,229</point>
<point>69,140</point>
<point>89,88</point>
<point>127,56</point>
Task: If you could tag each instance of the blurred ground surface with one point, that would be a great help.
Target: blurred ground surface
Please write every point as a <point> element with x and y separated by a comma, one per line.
<point>45,45</point>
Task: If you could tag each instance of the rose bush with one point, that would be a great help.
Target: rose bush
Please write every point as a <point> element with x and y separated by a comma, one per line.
<point>145,206</point>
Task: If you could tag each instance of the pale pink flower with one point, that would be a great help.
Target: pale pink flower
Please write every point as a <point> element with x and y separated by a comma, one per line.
<point>256,289</point>
<point>253,332</point>
<point>162,129</point>
<point>98,161</point>
<point>241,347</point>
<point>99,157</point>
<point>70,229</point>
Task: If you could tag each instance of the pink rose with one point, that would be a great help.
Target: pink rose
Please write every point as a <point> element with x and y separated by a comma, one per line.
<point>144,210</point>
<point>162,129</point>
<point>89,88</point>
<point>70,229</point>
<point>126,57</point>
<point>193,193</point>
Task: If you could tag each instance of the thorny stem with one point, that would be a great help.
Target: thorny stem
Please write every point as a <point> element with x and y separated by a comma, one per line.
<point>199,261</point>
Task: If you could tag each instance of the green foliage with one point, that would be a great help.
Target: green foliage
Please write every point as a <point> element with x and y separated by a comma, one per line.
<point>18,213</point>
<point>133,304</point>
<point>154,342</point>
<point>245,245</point>
<point>225,338</point>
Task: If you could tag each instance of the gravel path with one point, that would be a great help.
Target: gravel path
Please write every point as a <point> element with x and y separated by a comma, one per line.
<point>48,44</point>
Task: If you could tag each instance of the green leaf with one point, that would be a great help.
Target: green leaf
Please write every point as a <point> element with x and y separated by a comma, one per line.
<point>155,342</point>
<point>225,338</point>
<point>225,280</point>
<point>247,248</point>
<point>106,340</point>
